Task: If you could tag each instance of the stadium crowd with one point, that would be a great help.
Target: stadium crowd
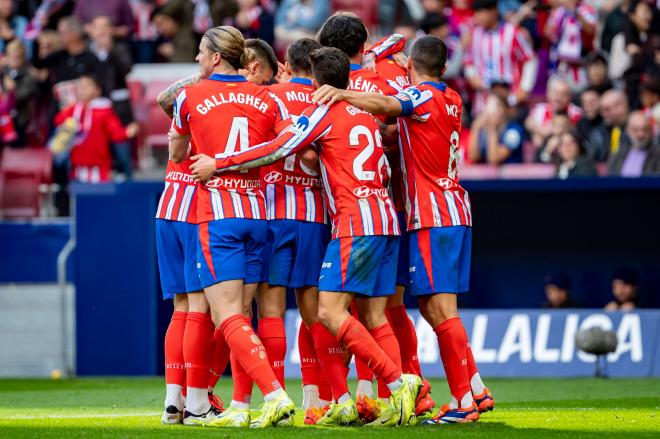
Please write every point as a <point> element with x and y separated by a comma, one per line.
<point>574,83</point>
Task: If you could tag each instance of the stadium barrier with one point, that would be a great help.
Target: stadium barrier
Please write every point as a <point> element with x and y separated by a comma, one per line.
<point>531,343</point>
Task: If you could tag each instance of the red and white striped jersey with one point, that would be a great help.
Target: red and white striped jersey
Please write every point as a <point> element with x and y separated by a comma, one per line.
<point>499,54</point>
<point>542,114</point>
<point>353,166</point>
<point>388,69</point>
<point>225,113</point>
<point>565,32</point>
<point>293,191</point>
<point>429,129</point>
<point>368,81</point>
<point>178,201</point>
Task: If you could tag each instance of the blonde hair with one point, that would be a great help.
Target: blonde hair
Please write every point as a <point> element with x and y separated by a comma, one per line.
<point>230,44</point>
<point>18,46</point>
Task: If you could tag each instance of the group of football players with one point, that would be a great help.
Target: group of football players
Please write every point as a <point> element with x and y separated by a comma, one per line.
<point>334,175</point>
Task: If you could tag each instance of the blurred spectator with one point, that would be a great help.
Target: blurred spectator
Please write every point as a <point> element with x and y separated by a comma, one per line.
<point>496,138</point>
<point>173,22</point>
<point>650,98</point>
<point>18,79</point>
<point>254,19</point>
<point>549,152</point>
<point>95,126</point>
<point>539,121</point>
<point>116,64</point>
<point>633,54</point>
<point>592,127</point>
<point>639,152</point>
<point>614,109</point>
<point>613,24</point>
<point>47,16</point>
<point>570,29</point>
<point>68,64</point>
<point>460,16</point>
<point>557,291</point>
<point>119,13</point>
<point>145,34</point>
<point>297,19</point>
<point>499,52</point>
<point>262,69</point>
<point>8,135</point>
<point>596,69</point>
<point>437,25</point>
<point>573,160</point>
<point>12,26</point>
<point>625,286</point>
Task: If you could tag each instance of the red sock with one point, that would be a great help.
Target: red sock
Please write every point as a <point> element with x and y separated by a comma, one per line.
<point>355,337</point>
<point>175,372</point>
<point>453,341</point>
<point>325,390</point>
<point>196,349</point>
<point>384,336</point>
<point>331,359</point>
<point>407,337</point>
<point>309,364</point>
<point>272,335</point>
<point>219,359</point>
<point>363,371</point>
<point>242,381</point>
<point>249,352</point>
<point>471,364</point>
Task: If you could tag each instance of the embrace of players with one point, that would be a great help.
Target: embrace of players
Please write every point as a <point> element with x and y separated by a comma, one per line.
<point>339,181</point>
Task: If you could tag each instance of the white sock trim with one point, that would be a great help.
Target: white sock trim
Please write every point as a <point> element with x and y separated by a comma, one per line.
<point>197,401</point>
<point>239,405</point>
<point>174,396</point>
<point>364,388</point>
<point>272,395</point>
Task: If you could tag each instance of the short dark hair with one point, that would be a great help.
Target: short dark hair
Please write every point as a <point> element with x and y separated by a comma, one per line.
<point>431,21</point>
<point>297,55</point>
<point>330,66</point>
<point>346,32</point>
<point>429,56</point>
<point>263,52</point>
<point>96,80</point>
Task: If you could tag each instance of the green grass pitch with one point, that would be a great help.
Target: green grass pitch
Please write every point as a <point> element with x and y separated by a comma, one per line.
<point>131,407</point>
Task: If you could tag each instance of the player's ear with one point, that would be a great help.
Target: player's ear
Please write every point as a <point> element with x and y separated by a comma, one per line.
<point>410,64</point>
<point>254,67</point>
<point>442,72</point>
<point>287,68</point>
<point>217,59</point>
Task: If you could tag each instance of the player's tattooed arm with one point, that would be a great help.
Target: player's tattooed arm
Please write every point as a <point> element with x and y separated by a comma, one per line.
<point>166,97</point>
<point>374,103</point>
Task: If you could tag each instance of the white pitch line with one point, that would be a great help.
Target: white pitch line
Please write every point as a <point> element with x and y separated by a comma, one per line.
<point>81,416</point>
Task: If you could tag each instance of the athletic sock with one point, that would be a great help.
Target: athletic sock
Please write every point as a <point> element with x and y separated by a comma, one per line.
<point>364,388</point>
<point>331,359</point>
<point>270,396</point>
<point>272,335</point>
<point>309,364</point>
<point>476,383</point>
<point>355,337</point>
<point>249,352</point>
<point>242,382</point>
<point>310,396</point>
<point>407,337</point>
<point>219,359</point>
<point>453,341</point>
<point>364,373</point>
<point>239,405</point>
<point>175,369</point>
<point>343,398</point>
<point>325,391</point>
<point>196,347</point>
<point>384,336</point>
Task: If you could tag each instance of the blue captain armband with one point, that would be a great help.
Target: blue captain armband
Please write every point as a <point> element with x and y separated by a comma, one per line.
<point>411,98</point>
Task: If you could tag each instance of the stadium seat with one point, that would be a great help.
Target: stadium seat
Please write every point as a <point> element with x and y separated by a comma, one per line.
<point>367,10</point>
<point>531,171</point>
<point>478,172</point>
<point>22,172</point>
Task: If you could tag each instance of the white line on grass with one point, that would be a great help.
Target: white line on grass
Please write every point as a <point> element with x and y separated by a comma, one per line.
<point>81,416</point>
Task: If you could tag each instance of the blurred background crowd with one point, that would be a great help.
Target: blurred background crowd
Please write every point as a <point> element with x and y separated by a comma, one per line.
<point>569,87</point>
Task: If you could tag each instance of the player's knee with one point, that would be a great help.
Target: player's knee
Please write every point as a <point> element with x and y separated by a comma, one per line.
<point>197,302</point>
<point>325,315</point>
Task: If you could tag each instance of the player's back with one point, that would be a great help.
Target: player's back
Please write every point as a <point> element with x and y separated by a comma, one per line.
<point>430,155</point>
<point>225,114</point>
<point>395,75</point>
<point>368,81</point>
<point>355,173</point>
<point>178,201</point>
<point>293,190</point>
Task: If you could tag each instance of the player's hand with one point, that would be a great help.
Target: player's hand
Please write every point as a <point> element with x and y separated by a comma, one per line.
<point>327,95</point>
<point>282,75</point>
<point>369,61</point>
<point>203,167</point>
<point>401,59</point>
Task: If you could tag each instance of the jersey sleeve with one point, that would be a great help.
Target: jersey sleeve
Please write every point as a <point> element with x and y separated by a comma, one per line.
<point>181,114</point>
<point>282,116</point>
<point>387,46</point>
<point>311,126</point>
<point>116,131</point>
<point>412,100</point>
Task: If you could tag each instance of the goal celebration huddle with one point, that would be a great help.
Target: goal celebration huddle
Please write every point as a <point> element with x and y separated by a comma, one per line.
<point>334,175</point>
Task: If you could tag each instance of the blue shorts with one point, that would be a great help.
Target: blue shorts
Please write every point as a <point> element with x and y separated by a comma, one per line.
<point>364,265</point>
<point>231,249</point>
<point>440,260</point>
<point>297,253</point>
<point>402,266</point>
<point>265,254</point>
<point>176,247</point>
